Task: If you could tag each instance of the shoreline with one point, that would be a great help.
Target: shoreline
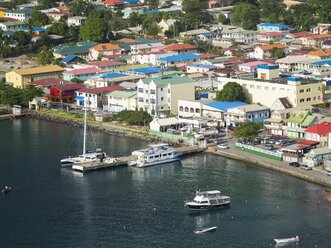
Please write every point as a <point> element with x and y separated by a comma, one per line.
<point>268,165</point>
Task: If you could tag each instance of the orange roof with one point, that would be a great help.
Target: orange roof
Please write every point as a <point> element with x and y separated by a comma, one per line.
<point>269,47</point>
<point>179,47</point>
<point>106,47</point>
<point>113,2</point>
<point>301,34</point>
<point>272,34</point>
<point>320,53</point>
<point>127,40</point>
<point>319,36</point>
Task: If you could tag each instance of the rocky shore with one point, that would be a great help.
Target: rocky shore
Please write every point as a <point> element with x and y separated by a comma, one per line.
<point>106,128</point>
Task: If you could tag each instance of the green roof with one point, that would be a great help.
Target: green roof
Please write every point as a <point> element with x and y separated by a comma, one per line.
<point>173,79</point>
<point>123,94</point>
<point>308,121</point>
<point>80,47</point>
<point>218,60</point>
<point>298,116</point>
<point>20,11</point>
<point>131,67</point>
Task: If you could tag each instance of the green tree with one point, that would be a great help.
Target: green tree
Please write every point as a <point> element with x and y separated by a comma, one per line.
<point>46,4</point>
<point>80,7</point>
<point>195,13</point>
<point>231,92</point>
<point>93,30</point>
<point>247,130</point>
<point>277,53</point>
<point>246,15</point>
<point>135,19</point>
<point>59,28</point>
<point>222,19</point>
<point>45,57</point>
<point>300,17</point>
<point>153,29</point>
<point>152,4</point>
<point>133,117</point>
<point>38,19</point>
<point>22,38</point>
<point>272,10</point>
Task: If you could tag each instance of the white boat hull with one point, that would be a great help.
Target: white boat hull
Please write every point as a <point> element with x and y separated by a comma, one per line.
<point>204,230</point>
<point>287,240</point>
<point>141,165</point>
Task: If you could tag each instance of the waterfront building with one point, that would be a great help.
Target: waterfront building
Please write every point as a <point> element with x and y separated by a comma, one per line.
<point>64,92</point>
<point>161,94</point>
<point>118,101</point>
<point>320,133</point>
<point>250,112</point>
<point>317,156</point>
<point>94,96</point>
<point>46,83</point>
<point>298,122</point>
<point>300,92</point>
<point>22,77</point>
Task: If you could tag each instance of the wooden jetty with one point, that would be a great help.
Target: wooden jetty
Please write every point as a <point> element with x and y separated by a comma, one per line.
<point>125,160</point>
<point>102,165</point>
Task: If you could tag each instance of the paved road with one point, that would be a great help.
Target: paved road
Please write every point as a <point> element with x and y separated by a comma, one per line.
<point>317,173</point>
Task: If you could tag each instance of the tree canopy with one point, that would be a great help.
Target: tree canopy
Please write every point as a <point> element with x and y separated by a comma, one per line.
<point>133,117</point>
<point>22,38</point>
<point>247,130</point>
<point>38,19</point>
<point>93,30</point>
<point>231,92</point>
<point>246,15</point>
<point>59,28</point>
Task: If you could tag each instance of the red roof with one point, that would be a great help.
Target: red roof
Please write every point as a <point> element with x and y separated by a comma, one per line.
<point>106,63</point>
<point>100,90</point>
<point>127,40</point>
<point>320,129</point>
<point>82,71</point>
<point>69,87</point>
<point>209,56</point>
<point>113,2</point>
<point>301,34</point>
<point>50,82</point>
<point>273,34</point>
<point>307,142</point>
<point>179,47</point>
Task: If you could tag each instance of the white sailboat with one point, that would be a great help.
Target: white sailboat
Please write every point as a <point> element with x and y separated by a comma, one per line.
<point>92,156</point>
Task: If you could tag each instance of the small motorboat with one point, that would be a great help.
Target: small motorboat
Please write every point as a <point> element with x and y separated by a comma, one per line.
<point>6,189</point>
<point>287,240</point>
<point>204,230</point>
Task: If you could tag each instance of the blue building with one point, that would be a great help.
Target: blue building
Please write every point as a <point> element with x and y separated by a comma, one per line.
<point>251,112</point>
<point>267,27</point>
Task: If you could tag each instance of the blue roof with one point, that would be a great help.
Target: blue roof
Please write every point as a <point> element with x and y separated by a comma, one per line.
<point>130,1</point>
<point>113,75</point>
<point>269,24</point>
<point>147,70</point>
<point>223,106</point>
<point>69,58</point>
<point>322,62</point>
<point>180,57</point>
<point>36,29</point>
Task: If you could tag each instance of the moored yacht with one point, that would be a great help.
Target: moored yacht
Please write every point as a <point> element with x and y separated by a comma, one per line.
<point>204,200</point>
<point>96,155</point>
<point>155,154</point>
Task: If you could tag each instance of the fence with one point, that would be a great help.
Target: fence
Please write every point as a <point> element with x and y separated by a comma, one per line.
<point>260,152</point>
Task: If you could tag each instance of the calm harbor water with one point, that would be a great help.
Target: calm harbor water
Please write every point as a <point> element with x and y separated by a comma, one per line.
<point>130,207</point>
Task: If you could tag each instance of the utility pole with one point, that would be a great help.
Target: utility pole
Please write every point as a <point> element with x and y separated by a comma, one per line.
<point>61,100</point>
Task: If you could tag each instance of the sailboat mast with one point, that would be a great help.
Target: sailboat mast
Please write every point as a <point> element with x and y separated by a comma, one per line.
<point>85,121</point>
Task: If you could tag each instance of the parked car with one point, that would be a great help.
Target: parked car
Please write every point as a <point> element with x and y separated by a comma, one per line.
<point>306,167</point>
<point>294,164</point>
<point>222,147</point>
<point>268,147</point>
<point>218,141</point>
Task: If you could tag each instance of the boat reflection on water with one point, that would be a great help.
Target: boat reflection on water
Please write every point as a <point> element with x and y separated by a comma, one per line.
<point>156,171</point>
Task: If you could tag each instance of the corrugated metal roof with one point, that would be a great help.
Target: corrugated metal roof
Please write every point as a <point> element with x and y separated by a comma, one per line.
<point>180,57</point>
<point>39,70</point>
<point>223,106</point>
<point>69,58</point>
<point>113,75</point>
<point>173,79</point>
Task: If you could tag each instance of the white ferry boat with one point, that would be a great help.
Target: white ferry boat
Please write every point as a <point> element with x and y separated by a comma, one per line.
<point>287,240</point>
<point>155,154</point>
<point>204,200</point>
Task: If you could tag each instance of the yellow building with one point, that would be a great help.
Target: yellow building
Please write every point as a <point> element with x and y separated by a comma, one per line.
<point>20,78</point>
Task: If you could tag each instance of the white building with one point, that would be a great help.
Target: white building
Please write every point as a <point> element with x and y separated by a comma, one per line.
<point>149,58</point>
<point>22,15</point>
<point>118,101</point>
<point>146,48</point>
<point>161,94</point>
<point>76,21</point>
<point>239,35</point>
<point>264,51</point>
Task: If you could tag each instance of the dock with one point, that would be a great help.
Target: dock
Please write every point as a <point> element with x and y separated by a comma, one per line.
<point>125,160</point>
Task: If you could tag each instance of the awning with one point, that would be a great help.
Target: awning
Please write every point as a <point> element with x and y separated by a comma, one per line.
<point>79,98</point>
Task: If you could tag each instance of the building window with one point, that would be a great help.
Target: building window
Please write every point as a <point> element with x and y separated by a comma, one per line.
<point>266,114</point>
<point>302,90</point>
<point>161,98</point>
<point>146,101</point>
<point>141,90</point>
<point>308,90</point>
<point>152,92</point>
<point>308,99</point>
<point>169,91</point>
<point>259,87</point>
<point>251,86</point>
<point>161,89</point>
<point>186,109</point>
<point>249,116</point>
<point>146,91</point>
<point>302,100</point>
<point>266,88</point>
<point>319,98</point>
<point>153,101</point>
<point>197,110</point>
<point>191,110</point>
<point>181,108</point>
<point>273,88</point>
